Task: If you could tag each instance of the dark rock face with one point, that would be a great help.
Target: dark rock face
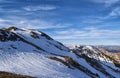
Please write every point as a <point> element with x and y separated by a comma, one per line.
<point>46,36</point>
<point>6,36</point>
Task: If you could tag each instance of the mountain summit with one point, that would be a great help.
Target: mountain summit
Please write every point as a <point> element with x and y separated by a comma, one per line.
<point>34,53</point>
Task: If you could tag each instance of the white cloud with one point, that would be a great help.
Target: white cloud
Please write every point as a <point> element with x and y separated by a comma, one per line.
<point>32,24</point>
<point>111,15</point>
<point>89,32</point>
<point>92,21</point>
<point>106,2</point>
<point>115,12</point>
<point>42,7</point>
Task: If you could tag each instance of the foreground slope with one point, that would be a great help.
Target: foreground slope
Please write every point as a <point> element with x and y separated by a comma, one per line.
<point>33,53</point>
<point>11,75</point>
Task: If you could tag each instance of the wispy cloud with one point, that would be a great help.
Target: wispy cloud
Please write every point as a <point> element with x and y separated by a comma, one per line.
<point>40,7</point>
<point>115,12</point>
<point>89,32</point>
<point>106,2</point>
<point>33,24</point>
<point>92,21</point>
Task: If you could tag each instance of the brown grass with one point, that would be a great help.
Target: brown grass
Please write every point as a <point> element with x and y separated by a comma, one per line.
<point>112,56</point>
<point>74,64</point>
<point>59,60</point>
<point>11,75</point>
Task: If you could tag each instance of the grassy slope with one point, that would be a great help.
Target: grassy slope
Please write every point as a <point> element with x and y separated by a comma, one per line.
<point>11,75</point>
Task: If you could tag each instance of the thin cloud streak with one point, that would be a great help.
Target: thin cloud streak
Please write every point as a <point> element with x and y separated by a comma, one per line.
<point>87,33</point>
<point>33,24</point>
<point>115,12</point>
<point>107,3</point>
<point>38,8</point>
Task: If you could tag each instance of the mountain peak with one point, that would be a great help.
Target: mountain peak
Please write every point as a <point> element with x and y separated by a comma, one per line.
<point>6,34</point>
<point>13,33</point>
<point>28,36</point>
<point>11,28</point>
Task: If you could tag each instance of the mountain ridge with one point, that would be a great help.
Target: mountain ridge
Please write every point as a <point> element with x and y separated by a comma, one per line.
<point>36,54</point>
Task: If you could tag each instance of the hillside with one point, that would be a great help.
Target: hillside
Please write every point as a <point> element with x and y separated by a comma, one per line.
<point>34,53</point>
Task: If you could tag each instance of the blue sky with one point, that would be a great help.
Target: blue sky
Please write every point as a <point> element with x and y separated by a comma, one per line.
<point>88,22</point>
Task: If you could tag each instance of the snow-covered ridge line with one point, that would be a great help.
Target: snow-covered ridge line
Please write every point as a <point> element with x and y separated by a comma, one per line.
<point>34,53</point>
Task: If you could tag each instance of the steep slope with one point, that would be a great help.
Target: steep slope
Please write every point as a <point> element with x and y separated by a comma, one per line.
<point>99,60</point>
<point>33,53</point>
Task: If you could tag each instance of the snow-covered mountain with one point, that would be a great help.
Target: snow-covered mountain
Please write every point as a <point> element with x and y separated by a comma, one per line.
<point>34,53</point>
